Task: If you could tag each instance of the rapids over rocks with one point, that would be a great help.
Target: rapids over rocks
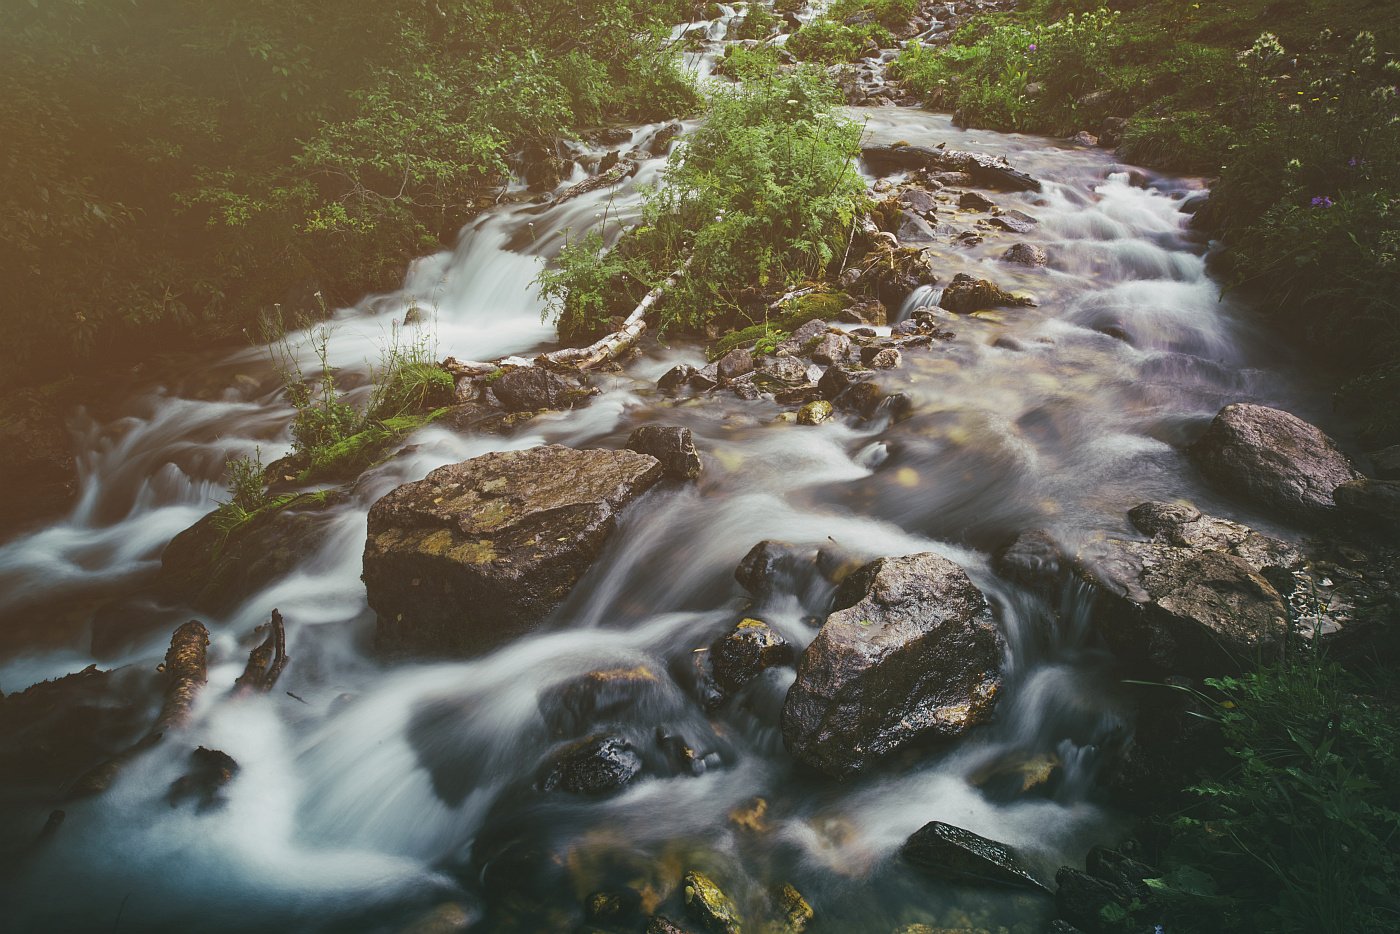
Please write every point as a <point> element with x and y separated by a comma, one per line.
<point>369,793</point>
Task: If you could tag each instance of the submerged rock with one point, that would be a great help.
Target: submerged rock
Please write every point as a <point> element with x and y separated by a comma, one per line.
<point>672,446</point>
<point>1275,459</point>
<point>480,552</point>
<point>708,904</point>
<point>794,908</point>
<point>909,654</point>
<point>575,706</point>
<point>949,852</point>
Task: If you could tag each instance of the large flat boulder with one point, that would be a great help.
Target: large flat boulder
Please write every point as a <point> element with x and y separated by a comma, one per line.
<point>478,553</point>
<point>1276,460</point>
<point>1199,598</point>
<point>910,653</point>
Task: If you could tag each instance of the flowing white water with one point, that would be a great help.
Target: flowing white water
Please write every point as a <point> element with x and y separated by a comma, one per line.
<point>392,789</point>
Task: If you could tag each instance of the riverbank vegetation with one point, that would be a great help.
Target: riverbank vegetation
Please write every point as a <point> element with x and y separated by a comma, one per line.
<point>765,196</point>
<point>1298,831</point>
<point>850,29</point>
<point>174,168</point>
<point>1299,125</point>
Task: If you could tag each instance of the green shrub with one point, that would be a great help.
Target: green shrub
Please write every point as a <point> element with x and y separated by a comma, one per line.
<point>1301,836</point>
<point>245,482</point>
<point>764,195</point>
<point>753,64</point>
<point>830,42</point>
<point>758,22</point>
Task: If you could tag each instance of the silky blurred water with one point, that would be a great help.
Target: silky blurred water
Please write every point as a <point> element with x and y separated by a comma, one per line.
<point>382,790</point>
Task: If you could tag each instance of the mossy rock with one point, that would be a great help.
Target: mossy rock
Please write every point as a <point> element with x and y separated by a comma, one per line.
<point>826,306</point>
<point>231,553</point>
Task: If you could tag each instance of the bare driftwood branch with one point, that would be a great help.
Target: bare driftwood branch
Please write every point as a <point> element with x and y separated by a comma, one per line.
<point>266,661</point>
<point>596,353</point>
<point>609,347</point>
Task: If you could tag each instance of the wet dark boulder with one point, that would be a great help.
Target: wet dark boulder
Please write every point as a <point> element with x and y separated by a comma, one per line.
<point>573,707</point>
<point>676,378</point>
<point>745,652</point>
<point>531,388</point>
<point>598,765</point>
<point>54,731</point>
<point>1370,502</point>
<point>671,445</point>
<point>947,852</point>
<point>480,552</point>
<point>1274,459</point>
<point>215,563</point>
<point>967,294</point>
<point>909,654</point>
<point>1109,895</point>
<point>766,565</point>
<point>210,770</point>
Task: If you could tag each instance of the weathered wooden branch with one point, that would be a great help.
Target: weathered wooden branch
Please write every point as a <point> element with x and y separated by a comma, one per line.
<point>595,354</point>
<point>266,661</point>
<point>617,342</point>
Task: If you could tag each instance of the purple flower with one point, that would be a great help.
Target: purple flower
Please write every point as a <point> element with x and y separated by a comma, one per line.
<point>1322,201</point>
<point>1031,47</point>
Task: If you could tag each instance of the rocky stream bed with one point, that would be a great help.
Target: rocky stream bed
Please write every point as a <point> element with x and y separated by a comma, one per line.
<point>835,633</point>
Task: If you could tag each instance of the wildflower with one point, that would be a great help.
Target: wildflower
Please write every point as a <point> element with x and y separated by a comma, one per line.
<point>1322,201</point>
<point>1031,47</point>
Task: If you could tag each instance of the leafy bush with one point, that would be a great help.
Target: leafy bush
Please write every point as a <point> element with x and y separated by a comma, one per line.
<point>830,42</point>
<point>758,22</point>
<point>1027,77</point>
<point>753,64</point>
<point>764,195</point>
<point>1301,836</point>
<point>245,482</point>
<point>200,162</point>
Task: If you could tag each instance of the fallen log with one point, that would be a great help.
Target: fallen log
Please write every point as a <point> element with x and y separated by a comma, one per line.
<point>186,670</point>
<point>984,169</point>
